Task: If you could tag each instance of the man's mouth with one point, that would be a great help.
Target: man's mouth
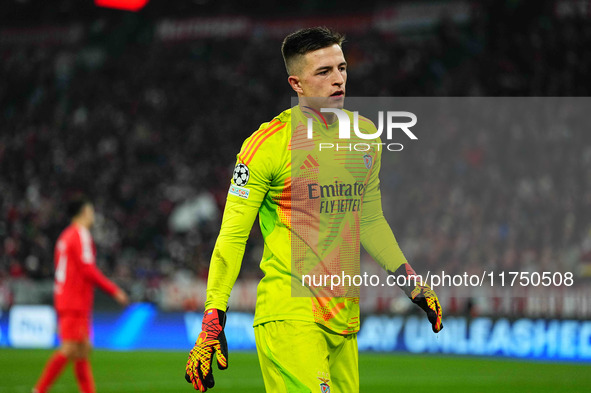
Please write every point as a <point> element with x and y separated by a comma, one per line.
<point>338,93</point>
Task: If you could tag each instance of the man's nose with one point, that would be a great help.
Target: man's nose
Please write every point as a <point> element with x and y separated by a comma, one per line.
<point>339,80</point>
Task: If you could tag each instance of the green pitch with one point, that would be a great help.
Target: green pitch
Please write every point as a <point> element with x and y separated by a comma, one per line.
<point>159,372</point>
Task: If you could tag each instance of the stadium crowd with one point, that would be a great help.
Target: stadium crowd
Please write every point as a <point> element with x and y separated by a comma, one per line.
<point>150,131</point>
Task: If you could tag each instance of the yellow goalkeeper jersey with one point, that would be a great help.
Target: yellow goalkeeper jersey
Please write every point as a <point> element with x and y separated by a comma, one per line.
<point>317,198</point>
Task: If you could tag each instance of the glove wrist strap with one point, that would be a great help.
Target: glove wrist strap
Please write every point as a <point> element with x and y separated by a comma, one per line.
<point>214,321</point>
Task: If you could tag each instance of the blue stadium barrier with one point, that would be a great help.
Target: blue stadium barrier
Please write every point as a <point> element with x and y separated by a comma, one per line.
<point>142,326</point>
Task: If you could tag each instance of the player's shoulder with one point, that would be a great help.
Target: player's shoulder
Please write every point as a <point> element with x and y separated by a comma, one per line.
<point>75,233</point>
<point>269,137</point>
<point>275,126</point>
<point>68,233</point>
<point>364,125</point>
<point>362,121</point>
<point>68,238</point>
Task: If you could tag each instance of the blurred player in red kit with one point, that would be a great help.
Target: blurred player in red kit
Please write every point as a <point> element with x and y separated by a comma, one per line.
<point>76,275</point>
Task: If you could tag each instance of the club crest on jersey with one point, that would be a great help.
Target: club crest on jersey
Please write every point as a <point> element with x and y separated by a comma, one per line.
<point>324,387</point>
<point>368,161</point>
<point>241,175</point>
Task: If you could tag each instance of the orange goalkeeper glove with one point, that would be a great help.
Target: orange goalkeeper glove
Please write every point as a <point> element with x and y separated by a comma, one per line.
<point>422,295</point>
<point>211,341</point>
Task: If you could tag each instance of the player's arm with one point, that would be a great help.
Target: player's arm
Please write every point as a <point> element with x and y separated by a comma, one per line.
<point>223,272</point>
<point>254,171</point>
<point>379,241</point>
<point>93,274</point>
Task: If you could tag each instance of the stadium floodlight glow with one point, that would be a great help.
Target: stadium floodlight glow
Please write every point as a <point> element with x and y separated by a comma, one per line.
<point>127,5</point>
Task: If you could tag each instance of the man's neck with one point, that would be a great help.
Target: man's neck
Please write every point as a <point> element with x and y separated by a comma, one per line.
<point>80,223</point>
<point>328,116</point>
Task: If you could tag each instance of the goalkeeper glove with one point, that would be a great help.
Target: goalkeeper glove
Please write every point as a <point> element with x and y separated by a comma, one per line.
<point>211,340</point>
<point>422,295</point>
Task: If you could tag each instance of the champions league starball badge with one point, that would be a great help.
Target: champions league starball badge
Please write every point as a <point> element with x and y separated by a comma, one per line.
<point>241,175</point>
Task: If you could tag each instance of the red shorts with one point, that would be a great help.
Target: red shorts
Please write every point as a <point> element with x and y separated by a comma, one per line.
<point>74,326</point>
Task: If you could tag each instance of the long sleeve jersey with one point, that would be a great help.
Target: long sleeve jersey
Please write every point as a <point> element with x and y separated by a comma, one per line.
<point>316,206</point>
<point>76,273</point>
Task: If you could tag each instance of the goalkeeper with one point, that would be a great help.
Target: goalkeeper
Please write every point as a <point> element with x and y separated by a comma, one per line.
<point>315,211</point>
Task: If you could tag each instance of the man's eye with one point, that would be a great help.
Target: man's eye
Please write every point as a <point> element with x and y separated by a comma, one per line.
<point>323,72</point>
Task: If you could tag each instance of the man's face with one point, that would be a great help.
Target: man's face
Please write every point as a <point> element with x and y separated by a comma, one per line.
<point>322,77</point>
<point>88,214</point>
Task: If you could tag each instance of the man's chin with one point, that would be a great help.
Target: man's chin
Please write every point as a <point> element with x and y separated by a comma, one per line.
<point>335,102</point>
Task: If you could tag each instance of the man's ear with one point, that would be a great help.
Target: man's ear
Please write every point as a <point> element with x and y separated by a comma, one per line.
<point>294,82</point>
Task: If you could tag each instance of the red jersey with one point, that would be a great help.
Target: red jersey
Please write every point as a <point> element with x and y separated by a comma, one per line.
<point>76,273</point>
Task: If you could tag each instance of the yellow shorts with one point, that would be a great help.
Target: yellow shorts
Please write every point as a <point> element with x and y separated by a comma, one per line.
<point>304,357</point>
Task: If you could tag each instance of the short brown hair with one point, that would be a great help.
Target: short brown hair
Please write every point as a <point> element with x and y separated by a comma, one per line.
<point>308,40</point>
<point>75,204</point>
